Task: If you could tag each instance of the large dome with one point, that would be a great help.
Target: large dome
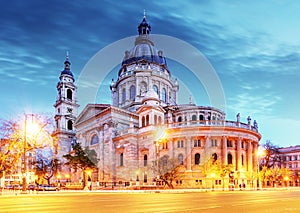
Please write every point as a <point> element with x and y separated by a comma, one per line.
<point>144,49</point>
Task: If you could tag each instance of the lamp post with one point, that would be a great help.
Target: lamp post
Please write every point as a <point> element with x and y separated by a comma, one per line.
<point>31,130</point>
<point>159,134</point>
<point>24,183</point>
<point>213,175</point>
<point>259,153</point>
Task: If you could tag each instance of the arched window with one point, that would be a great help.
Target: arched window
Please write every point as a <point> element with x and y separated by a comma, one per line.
<point>201,117</point>
<point>145,160</point>
<point>164,95</point>
<point>179,119</point>
<point>94,139</point>
<point>143,121</point>
<point>132,92</point>
<point>121,159</point>
<point>229,158</point>
<point>69,94</point>
<point>194,118</point>
<point>214,156</point>
<point>124,95</point>
<point>147,120</point>
<point>180,159</point>
<point>145,178</point>
<point>70,125</point>
<point>155,88</point>
<point>197,159</point>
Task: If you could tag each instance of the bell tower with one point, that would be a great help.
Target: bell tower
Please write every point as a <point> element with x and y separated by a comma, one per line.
<point>66,109</point>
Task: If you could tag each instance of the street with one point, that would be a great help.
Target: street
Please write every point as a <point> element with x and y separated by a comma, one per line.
<point>154,201</point>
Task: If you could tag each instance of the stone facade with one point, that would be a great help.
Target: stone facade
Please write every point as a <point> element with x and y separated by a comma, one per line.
<point>144,100</point>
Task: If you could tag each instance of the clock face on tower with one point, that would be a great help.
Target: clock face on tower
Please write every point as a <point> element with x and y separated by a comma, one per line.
<point>69,110</point>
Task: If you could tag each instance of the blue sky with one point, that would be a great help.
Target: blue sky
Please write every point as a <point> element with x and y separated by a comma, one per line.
<point>254,46</point>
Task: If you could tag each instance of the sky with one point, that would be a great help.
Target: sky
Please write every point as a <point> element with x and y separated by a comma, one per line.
<point>253,46</point>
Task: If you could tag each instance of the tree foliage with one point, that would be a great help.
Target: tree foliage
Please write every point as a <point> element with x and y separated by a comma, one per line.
<point>15,140</point>
<point>80,158</point>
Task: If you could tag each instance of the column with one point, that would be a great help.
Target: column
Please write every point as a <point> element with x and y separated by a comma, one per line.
<point>188,154</point>
<point>250,167</point>
<point>225,150</point>
<point>238,159</point>
<point>206,148</point>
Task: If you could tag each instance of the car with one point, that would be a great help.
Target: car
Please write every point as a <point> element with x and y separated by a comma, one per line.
<point>31,187</point>
<point>45,187</point>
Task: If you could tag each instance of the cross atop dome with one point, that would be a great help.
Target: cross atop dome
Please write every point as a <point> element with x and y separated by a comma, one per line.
<point>144,28</point>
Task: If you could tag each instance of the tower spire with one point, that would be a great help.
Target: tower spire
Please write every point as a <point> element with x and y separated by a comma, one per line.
<point>144,28</point>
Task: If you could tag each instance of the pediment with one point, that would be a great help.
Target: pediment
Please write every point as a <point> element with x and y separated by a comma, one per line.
<point>89,111</point>
<point>145,108</point>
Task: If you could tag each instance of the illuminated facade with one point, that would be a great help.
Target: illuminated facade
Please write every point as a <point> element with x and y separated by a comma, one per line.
<point>144,99</point>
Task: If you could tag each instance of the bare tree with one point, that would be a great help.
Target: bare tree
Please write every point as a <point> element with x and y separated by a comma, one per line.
<point>168,170</point>
<point>16,140</point>
<point>271,157</point>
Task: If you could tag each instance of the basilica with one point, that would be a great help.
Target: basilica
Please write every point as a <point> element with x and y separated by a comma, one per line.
<point>144,123</point>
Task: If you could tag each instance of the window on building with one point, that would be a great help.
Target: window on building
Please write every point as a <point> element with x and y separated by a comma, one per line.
<point>214,156</point>
<point>145,178</point>
<point>194,118</point>
<point>242,160</point>
<point>159,120</point>
<point>242,144</point>
<point>229,158</point>
<point>70,125</point>
<point>201,117</point>
<point>121,159</point>
<point>197,143</point>
<point>124,95</point>
<point>94,139</point>
<point>155,88</point>
<point>147,120</point>
<point>180,159</point>
<point>155,119</point>
<point>132,92</point>
<point>229,143</point>
<point>165,145</point>
<point>164,95</point>
<point>145,160</point>
<point>214,142</point>
<point>69,94</point>
<point>197,159</point>
<point>143,121</point>
<point>179,119</point>
<point>180,144</point>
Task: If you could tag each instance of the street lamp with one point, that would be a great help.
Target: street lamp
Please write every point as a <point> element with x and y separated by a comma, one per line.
<point>159,134</point>
<point>28,129</point>
<point>259,154</point>
<point>213,175</point>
